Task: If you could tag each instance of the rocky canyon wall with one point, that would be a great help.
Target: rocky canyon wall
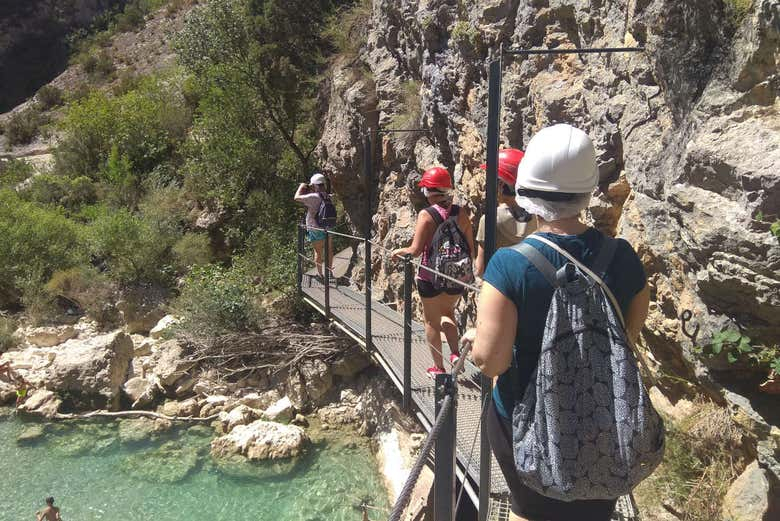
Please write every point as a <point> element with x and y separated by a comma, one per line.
<point>687,136</point>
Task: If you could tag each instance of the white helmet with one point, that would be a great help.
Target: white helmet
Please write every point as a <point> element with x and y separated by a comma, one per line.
<point>559,158</point>
<point>317,179</point>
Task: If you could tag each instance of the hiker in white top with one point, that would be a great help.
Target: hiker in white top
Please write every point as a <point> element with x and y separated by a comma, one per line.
<point>311,196</point>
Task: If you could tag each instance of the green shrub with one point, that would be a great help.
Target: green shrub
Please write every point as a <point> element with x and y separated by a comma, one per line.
<point>60,190</point>
<point>36,242</point>
<point>49,96</point>
<point>23,126</point>
<point>216,300</point>
<point>132,248</point>
<point>464,33</point>
<point>97,63</point>
<point>347,28</point>
<point>13,172</point>
<point>130,19</point>
<point>739,9</point>
<point>7,338</point>
<point>165,206</point>
<point>270,260</point>
<point>193,249</point>
<point>145,125</point>
<point>88,289</point>
<point>739,347</point>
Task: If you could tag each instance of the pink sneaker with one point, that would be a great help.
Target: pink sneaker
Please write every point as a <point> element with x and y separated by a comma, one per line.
<point>433,371</point>
<point>454,357</point>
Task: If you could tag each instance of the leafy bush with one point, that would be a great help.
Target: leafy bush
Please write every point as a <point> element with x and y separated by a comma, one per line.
<point>13,172</point>
<point>36,242</point>
<point>131,247</point>
<point>270,260</point>
<point>87,288</point>
<point>49,96</point>
<point>97,63</point>
<point>216,300</point>
<point>739,347</point>
<point>7,338</point>
<point>145,125</point>
<point>60,190</point>
<point>347,28</point>
<point>166,206</point>
<point>193,249</point>
<point>24,125</point>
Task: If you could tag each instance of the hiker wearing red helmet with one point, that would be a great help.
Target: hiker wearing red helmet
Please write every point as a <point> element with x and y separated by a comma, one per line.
<point>513,223</point>
<point>438,303</point>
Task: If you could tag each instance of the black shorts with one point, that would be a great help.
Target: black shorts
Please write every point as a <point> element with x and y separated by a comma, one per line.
<point>426,289</point>
<point>527,502</point>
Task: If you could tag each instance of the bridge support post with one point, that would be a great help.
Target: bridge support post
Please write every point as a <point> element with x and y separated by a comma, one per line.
<point>326,272</point>
<point>407,376</point>
<point>491,205</point>
<point>299,273</point>
<point>444,453</point>
<point>368,174</point>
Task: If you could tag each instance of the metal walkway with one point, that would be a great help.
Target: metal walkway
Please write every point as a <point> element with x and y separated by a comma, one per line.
<point>347,309</point>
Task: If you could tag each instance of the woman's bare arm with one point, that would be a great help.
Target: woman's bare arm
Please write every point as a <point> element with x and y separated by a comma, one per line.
<point>496,327</point>
<point>479,264</point>
<point>637,313</point>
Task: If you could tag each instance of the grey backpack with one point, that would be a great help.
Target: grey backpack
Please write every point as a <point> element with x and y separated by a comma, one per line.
<point>585,428</point>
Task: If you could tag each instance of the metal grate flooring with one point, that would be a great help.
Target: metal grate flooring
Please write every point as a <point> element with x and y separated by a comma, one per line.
<point>347,307</point>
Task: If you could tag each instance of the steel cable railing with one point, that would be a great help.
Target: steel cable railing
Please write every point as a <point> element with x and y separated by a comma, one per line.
<point>446,406</point>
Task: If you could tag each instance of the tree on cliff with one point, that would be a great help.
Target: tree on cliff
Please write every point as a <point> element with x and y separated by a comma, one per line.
<point>275,48</point>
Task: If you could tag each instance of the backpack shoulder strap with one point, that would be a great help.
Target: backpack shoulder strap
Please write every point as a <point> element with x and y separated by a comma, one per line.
<point>541,262</point>
<point>605,256</point>
<point>611,296</point>
<point>435,215</point>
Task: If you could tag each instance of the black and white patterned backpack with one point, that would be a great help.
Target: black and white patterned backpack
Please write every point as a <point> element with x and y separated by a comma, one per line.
<point>585,428</point>
<point>449,251</point>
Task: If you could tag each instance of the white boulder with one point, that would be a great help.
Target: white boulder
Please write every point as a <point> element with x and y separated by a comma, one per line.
<point>261,440</point>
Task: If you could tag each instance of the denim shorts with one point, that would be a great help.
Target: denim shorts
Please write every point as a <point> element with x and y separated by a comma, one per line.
<point>316,235</point>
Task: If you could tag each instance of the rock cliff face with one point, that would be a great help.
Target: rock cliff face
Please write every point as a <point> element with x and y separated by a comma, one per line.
<point>32,42</point>
<point>687,136</point>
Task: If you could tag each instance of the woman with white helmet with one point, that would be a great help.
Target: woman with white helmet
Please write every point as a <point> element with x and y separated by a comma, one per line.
<point>312,197</point>
<point>555,180</point>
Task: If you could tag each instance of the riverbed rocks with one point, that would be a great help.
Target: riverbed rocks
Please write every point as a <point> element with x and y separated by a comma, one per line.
<point>163,327</point>
<point>47,336</point>
<point>31,434</point>
<point>41,402</point>
<point>282,411</point>
<point>748,497</point>
<point>92,370</point>
<point>261,440</point>
<point>168,363</point>
<point>140,391</point>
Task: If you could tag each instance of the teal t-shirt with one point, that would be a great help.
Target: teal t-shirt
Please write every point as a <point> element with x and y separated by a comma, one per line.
<point>516,278</point>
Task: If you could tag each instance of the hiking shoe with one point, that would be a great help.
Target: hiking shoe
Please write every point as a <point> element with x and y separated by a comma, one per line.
<point>454,357</point>
<point>433,371</point>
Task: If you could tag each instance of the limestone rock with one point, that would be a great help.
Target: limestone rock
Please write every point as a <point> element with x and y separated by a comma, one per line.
<point>41,402</point>
<point>93,369</point>
<point>164,325</point>
<point>47,336</point>
<point>140,312</point>
<point>352,363</point>
<point>281,412</point>
<point>677,411</point>
<point>170,408</point>
<point>748,497</point>
<point>214,404</point>
<point>241,415</point>
<point>139,430</point>
<point>189,407</point>
<point>260,400</point>
<point>184,387</point>
<point>167,362</point>
<point>140,391</point>
<point>142,346</point>
<point>30,434</point>
<point>261,440</point>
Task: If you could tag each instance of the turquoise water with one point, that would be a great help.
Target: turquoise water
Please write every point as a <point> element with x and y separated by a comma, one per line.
<point>93,475</point>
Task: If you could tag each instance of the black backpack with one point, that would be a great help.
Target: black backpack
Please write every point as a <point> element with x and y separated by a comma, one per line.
<point>326,213</point>
<point>449,252</point>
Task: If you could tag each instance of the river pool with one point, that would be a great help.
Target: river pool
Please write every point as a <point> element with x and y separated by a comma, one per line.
<point>95,472</point>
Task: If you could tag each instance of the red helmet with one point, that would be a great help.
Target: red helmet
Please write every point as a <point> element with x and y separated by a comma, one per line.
<point>508,161</point>
<point>436,177</point>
